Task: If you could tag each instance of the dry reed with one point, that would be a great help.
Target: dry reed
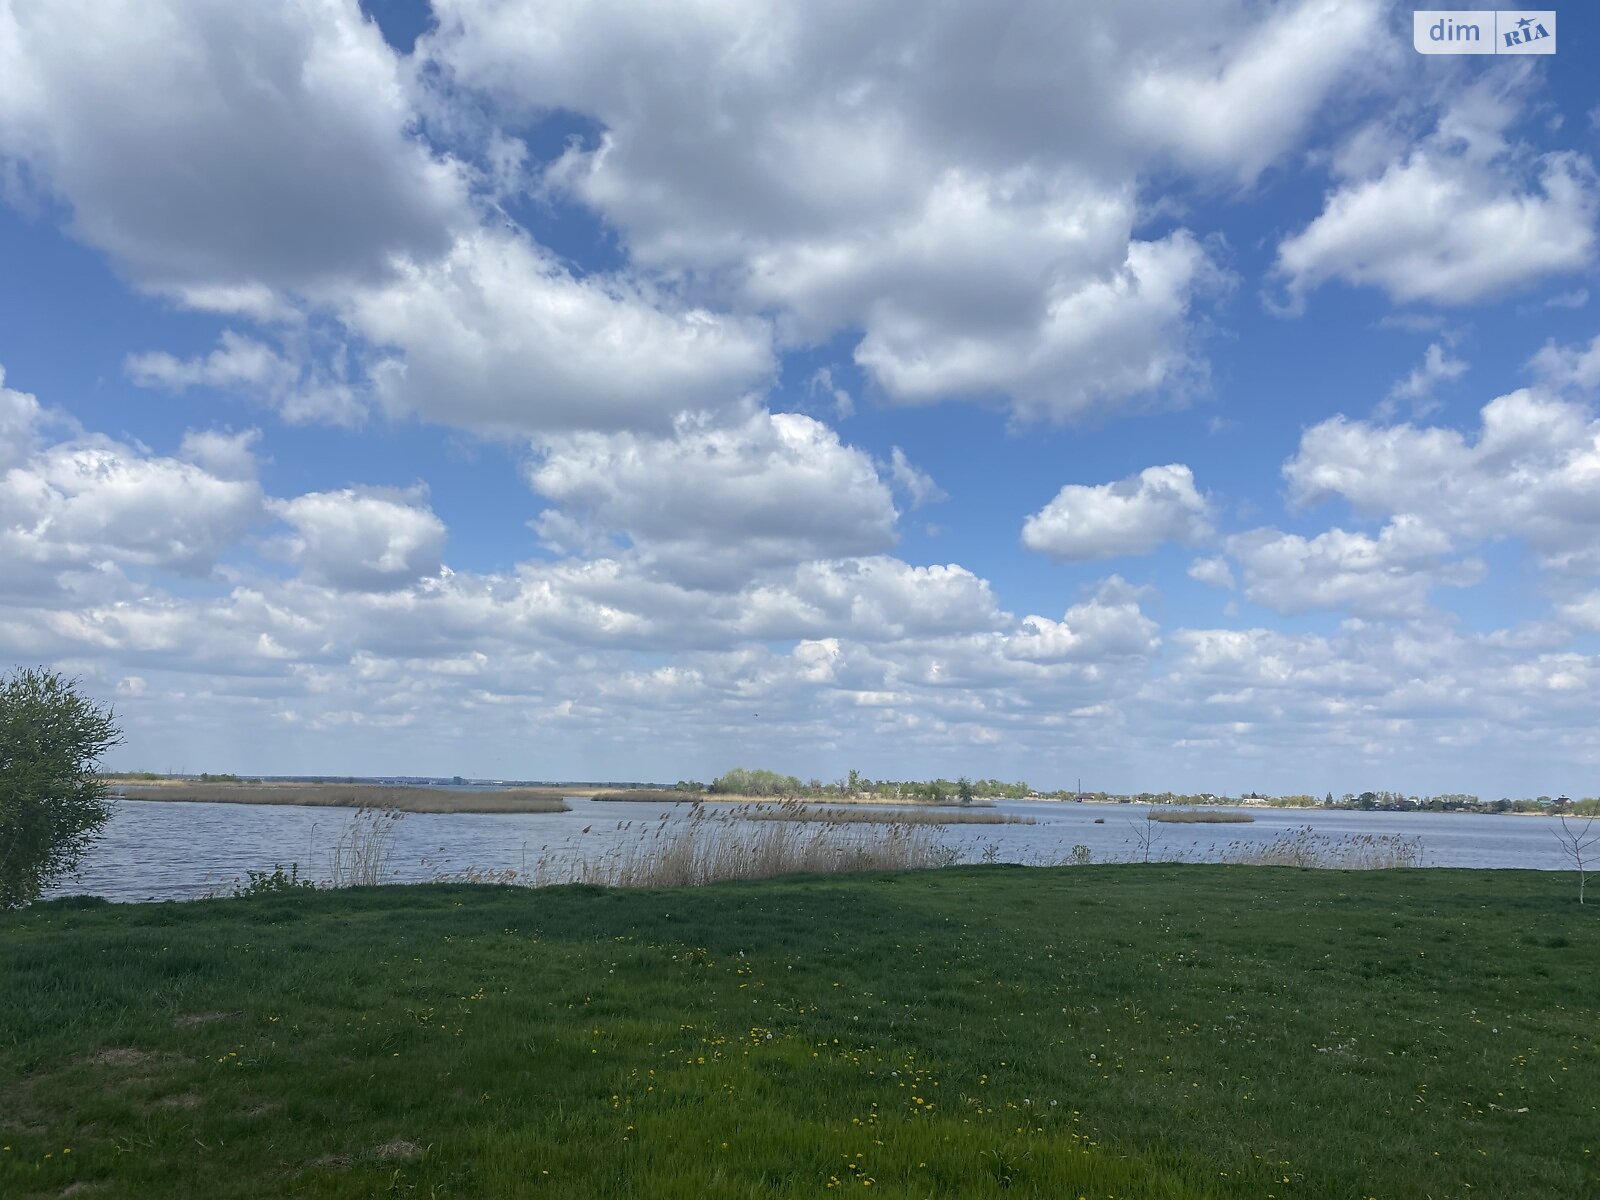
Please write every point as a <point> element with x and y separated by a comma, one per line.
<point>1202,817</point>
<point>711,847</point>
<point>1303,847</point>
<point>650,795</point>
<point>361,855</point>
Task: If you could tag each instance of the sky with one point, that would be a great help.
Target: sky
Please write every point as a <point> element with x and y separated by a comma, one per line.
<point>1192,395</point>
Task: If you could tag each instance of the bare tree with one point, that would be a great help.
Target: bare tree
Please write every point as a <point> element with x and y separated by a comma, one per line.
<point>1146,834</point>
<point>1577,843</point>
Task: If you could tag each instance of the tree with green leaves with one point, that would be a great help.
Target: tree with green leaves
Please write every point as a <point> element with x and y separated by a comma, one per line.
<point>52,798</point>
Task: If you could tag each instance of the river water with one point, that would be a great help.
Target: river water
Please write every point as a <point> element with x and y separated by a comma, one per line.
<point>160,850</point>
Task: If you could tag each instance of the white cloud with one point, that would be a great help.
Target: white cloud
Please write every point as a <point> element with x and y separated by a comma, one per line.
<point>844,406</point>
<point>216,149</point>
<point>1569,366</point>
<point>817,163</point>
<point>225,455</point>
<point>90,501</point>
<point>1214,571</point>
<point>867,599</point>
<point>1108,626</point>
<point>1438,366</point>
<point>917,484</point>
<point>237,361</point>
<point>1386,576</point>
<point>1133,516</point>
<point>713,503</point>
<point>1464,215</point>
<point>1093,341</point>
<point>1583,612</point>
<point>368,540</point>
<point>19,414</point>
<point>1239,108</point>
<point>300,389</point>
<point>497,335</point>
<point>1533,471</point>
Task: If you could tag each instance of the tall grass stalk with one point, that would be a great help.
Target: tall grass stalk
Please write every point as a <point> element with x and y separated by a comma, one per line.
<point>361,855</point>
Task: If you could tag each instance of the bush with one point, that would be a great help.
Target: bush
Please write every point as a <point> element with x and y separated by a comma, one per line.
<point>52,798</point>
<point>274,882</point>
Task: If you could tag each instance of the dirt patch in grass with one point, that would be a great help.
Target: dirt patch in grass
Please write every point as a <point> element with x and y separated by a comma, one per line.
<point>125,1056</point>
<point>184,1100</point>
<point>189,1019</point>
<point>399,1148</point>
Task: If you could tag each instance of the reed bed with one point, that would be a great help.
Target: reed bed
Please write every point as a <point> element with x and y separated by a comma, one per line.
<point>713,847</point>
<point>353,795</point>
<point>791,810</point>
<point>1201,817</point>
<point>649,796</point>
<point>1304,847</point>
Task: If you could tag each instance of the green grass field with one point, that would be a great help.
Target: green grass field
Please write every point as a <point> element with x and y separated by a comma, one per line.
<point>1130,1031</point>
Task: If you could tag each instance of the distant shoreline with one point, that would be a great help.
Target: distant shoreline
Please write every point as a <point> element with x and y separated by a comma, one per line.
<point>354,795</point>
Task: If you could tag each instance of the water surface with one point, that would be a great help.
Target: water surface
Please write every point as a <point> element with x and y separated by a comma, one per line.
<point>157,850</point>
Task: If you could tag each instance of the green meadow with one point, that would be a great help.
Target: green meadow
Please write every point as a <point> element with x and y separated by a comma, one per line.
<point>1136,1032</point>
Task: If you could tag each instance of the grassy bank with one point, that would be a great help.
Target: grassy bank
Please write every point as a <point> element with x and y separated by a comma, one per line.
<point>354,795</point>
<point>1150,1032</point>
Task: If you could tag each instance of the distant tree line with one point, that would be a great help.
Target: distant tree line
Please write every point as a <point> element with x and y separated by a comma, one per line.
<point>743,781</point>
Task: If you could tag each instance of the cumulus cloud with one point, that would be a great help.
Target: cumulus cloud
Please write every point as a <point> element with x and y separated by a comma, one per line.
<point>1386,576</point>
<point>1461,216</point>
<point>867,599</point>
<point>497,335</point>
<point>19,414</point>
<point>1108,626</point>
<point>1238,108</point>
<point>1091,342</point>
<point>92,500</point>
<point>225,455</point>
<point>100,100</point>
<point>982,248</point>
<point>1530,472</point>
<point>1133,516</point>
<point>371,540</point>
<point>713,502</point>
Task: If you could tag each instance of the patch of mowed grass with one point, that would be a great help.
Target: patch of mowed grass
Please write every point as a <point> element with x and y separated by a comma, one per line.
<point>1126,1031</point>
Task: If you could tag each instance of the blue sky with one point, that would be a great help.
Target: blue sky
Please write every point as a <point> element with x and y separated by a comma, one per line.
<point>1193,396</point>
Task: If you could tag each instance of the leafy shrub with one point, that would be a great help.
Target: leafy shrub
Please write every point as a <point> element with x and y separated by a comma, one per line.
<point>52,797</point>
<point>274,882</point>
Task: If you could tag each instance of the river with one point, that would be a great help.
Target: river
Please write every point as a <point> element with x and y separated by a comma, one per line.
<point>160,850</point>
